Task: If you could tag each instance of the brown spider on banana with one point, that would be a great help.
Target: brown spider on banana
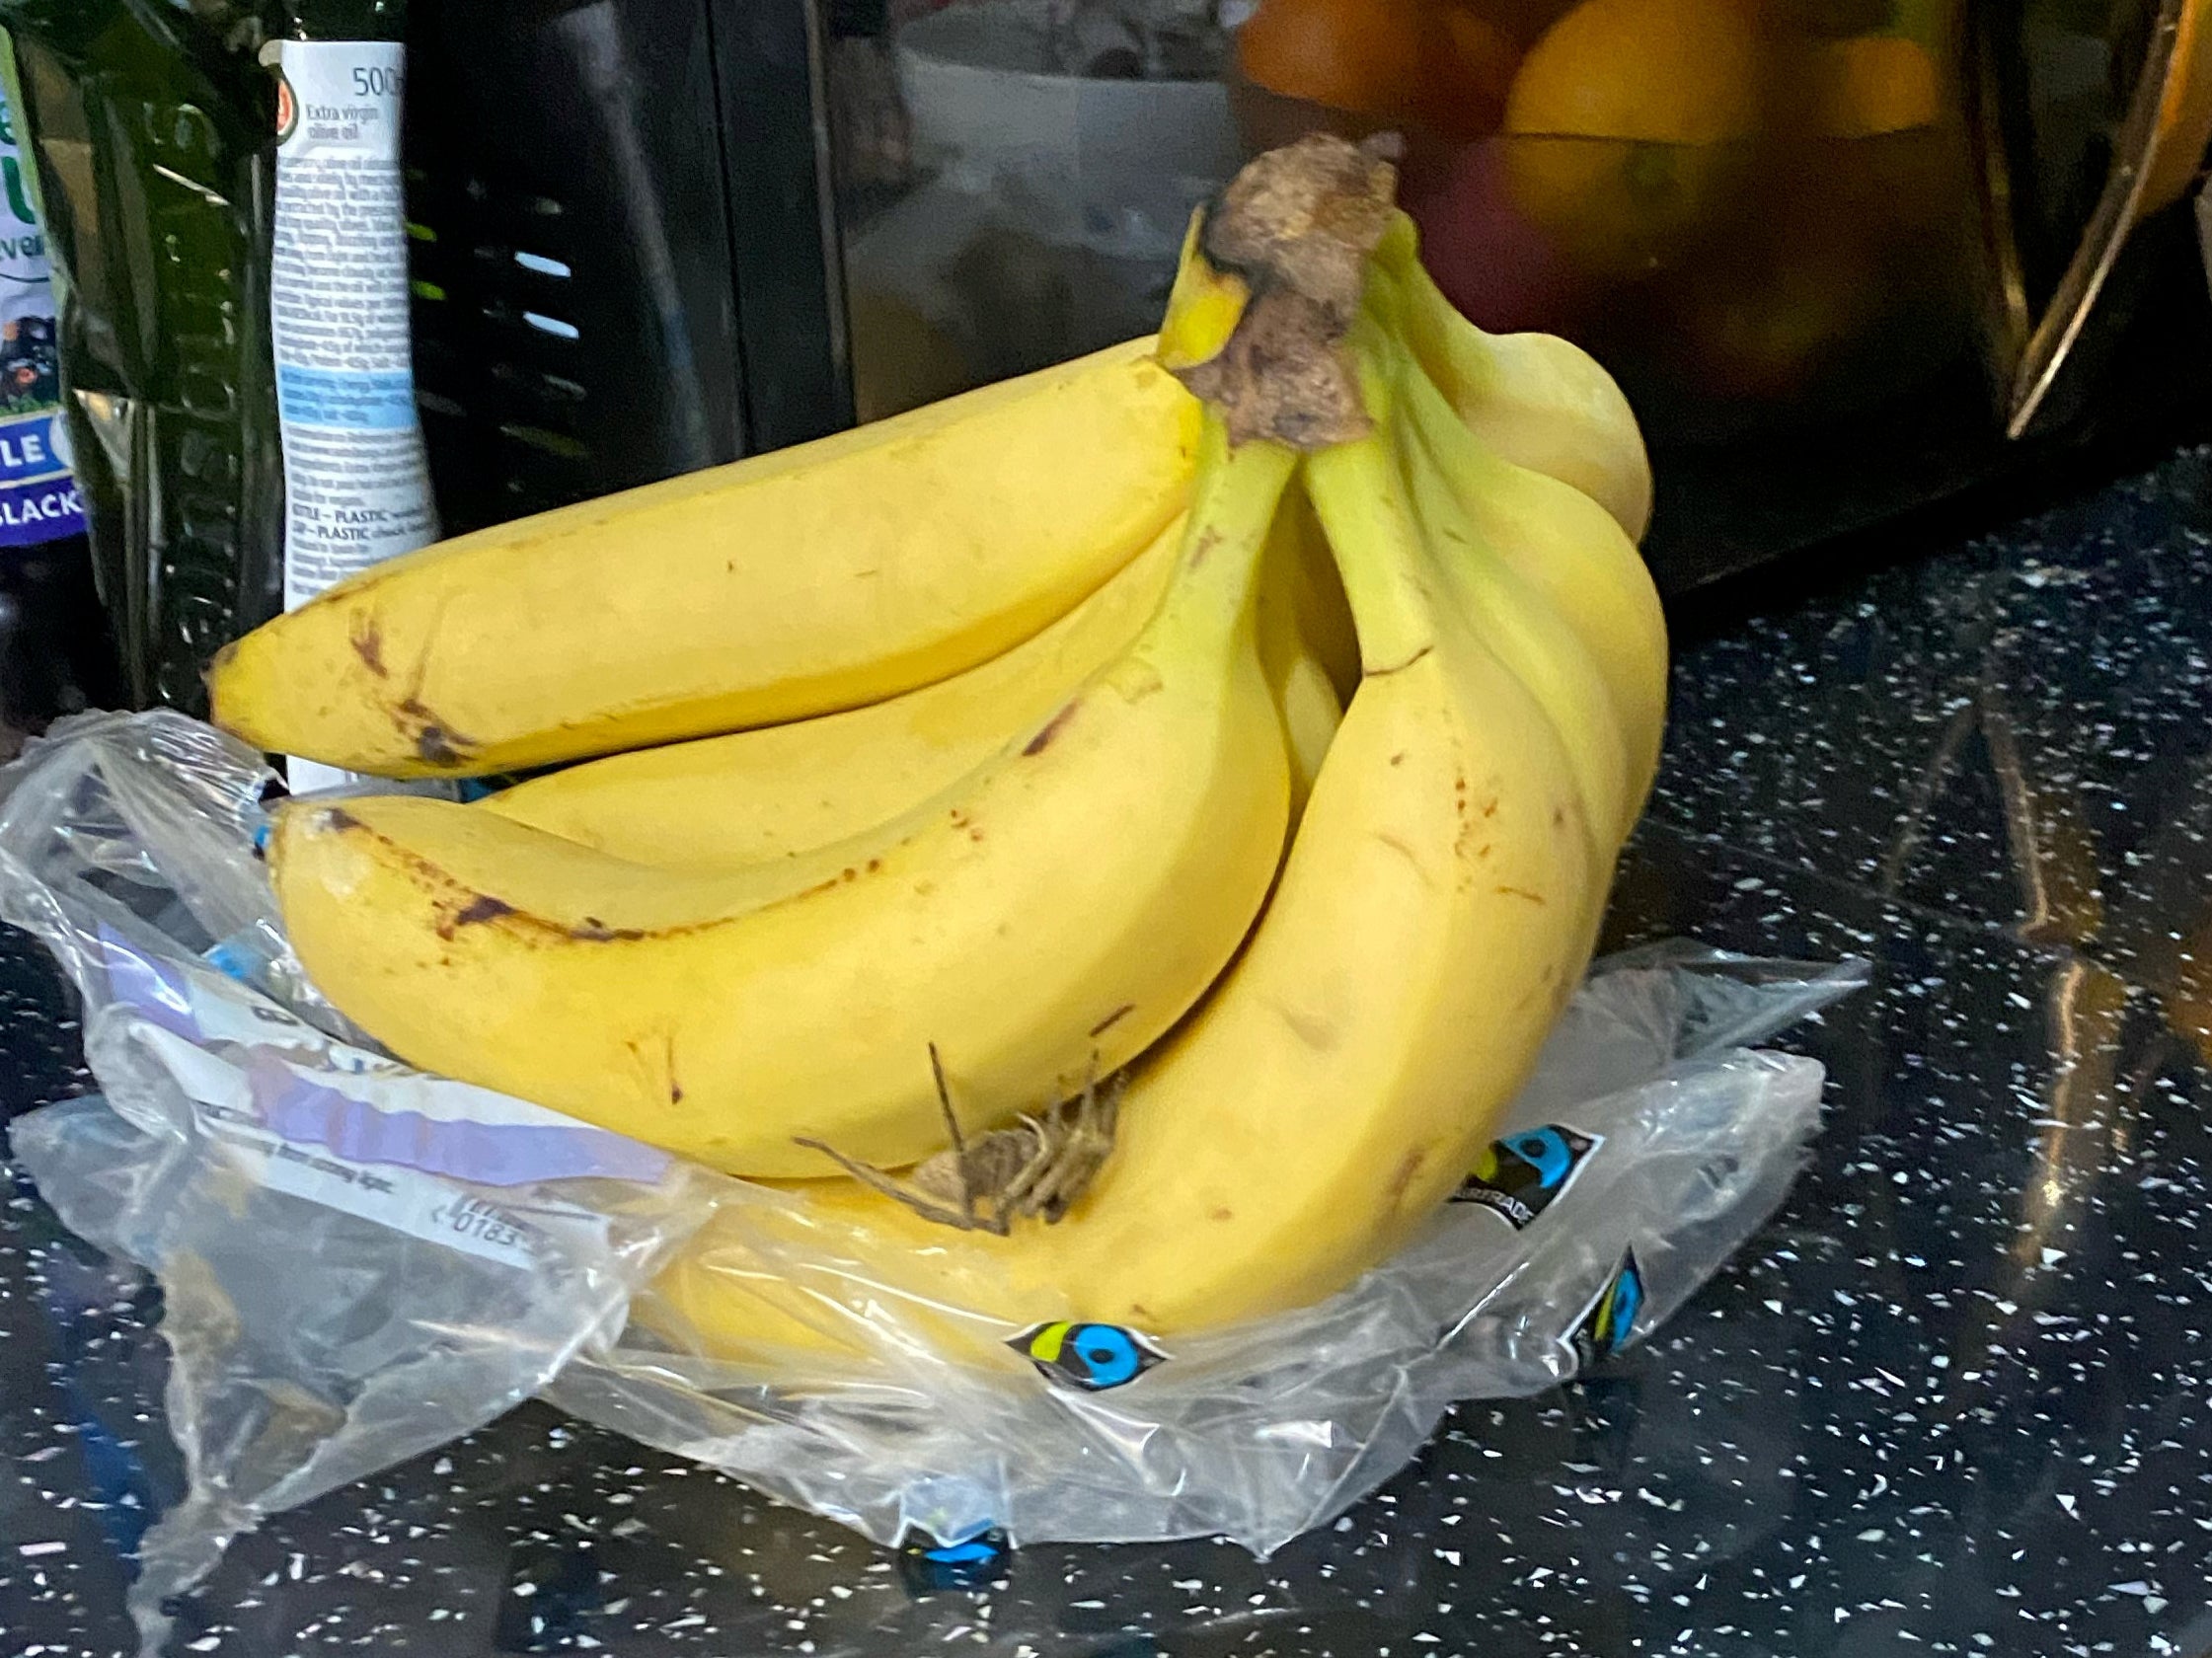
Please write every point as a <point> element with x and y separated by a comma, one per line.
<point>1036,1169</point>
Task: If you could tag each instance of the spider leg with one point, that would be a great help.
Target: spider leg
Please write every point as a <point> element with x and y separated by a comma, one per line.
<point>1088,1140</point>
<point>959,1140</point>
<point>897,1190</point>
<point>1016,1198</point>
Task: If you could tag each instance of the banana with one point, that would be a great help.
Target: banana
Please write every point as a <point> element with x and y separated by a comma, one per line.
<point>1515,616</point>
<point>1049,917</point>
<point>723,804</point>
<point>1434,914</point>
<point>793,584</point>
<point>1572,553</point>
<point>1307,693</point>
<point>1317,593</point>
<point>1539,401</point>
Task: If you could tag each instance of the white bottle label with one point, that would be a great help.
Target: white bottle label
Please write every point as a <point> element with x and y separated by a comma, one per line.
<point>357,483</point>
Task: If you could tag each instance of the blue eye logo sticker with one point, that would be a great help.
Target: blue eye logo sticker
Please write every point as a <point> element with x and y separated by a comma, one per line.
<point>1518,1178</point>
<point>1092,1357</point>
<point>1609,1322</point>
<point>975,1562</point>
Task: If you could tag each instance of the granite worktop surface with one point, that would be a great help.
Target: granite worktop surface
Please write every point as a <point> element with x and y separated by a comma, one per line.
<point>1955,1397</point>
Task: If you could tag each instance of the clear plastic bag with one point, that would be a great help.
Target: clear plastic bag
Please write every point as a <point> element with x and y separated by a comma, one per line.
<point>361,1262</point>
<point>358,1263</point>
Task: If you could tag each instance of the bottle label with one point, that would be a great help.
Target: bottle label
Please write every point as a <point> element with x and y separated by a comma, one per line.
<point>39,498</point>
<point>356,482</point>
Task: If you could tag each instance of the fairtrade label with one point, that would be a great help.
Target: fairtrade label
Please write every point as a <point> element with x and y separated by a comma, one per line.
<point>1521,1176</point>
<point>38,496</point>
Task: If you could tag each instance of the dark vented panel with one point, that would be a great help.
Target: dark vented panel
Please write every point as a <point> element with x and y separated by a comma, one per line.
<point>576,306</point>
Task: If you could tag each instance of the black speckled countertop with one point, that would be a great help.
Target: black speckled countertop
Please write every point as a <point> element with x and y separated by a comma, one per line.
<point>1956,1398</point>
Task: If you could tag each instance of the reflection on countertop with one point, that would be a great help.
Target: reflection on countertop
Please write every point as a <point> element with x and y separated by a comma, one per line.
<point>1954,1398</point>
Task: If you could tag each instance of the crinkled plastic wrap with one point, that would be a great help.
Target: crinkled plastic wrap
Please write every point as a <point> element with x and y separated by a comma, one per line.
<point>361,1262</point>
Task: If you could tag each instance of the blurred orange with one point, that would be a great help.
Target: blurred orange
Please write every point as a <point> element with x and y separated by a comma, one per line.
<point>1764,338</point>
<point>1873,85</point>
<point>1434,63</point>
<point>2185,115</point>
<point>1623,119</point>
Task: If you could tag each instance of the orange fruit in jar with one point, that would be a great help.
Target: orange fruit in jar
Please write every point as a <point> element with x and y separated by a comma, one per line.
<point>1433,64</point>
<point>2185,115</point>
<point>1626,123</point>
<point>1873,85</point>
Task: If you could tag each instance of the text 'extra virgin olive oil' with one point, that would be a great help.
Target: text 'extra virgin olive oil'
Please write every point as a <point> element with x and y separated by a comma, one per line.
<point>222,189</point>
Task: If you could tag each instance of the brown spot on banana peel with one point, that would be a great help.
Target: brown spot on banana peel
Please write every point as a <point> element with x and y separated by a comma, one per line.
<point>1409,854</point>
<point>1402,1177</point>
<point>1113,1018</point>
<point>367,639</point>
<point>435,747</point>
<point>435,743</point>
<point>1043,740</point>
<point>1522,892</point>
<point>477,912</point>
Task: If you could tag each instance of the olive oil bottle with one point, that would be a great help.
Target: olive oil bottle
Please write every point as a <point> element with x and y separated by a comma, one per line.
<point>156,128</point>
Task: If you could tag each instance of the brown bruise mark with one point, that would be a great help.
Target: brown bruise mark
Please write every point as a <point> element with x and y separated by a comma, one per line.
<point>367,638</point>
<point>1053,727</point>
<point>1113,1018</point>
<point>1398,759</point>
<point>668,1053</point>
<point>1523,892</point>
<point>1223,1215</point>
<point>1409,854</point>
<point>1208,540</point>
<point>479,911</point>
<point>1137,686</point>
<point>1402,1177</point>
<point>337,820</point>
<point>435,743</point>
<point>437,749</point>
<point>592,931</point>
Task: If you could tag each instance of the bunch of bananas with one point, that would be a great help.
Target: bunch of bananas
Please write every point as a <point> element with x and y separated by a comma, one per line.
<point>1163,825</point>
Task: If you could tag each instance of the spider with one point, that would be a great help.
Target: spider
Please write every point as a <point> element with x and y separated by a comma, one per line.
<point>1036,1168</point>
